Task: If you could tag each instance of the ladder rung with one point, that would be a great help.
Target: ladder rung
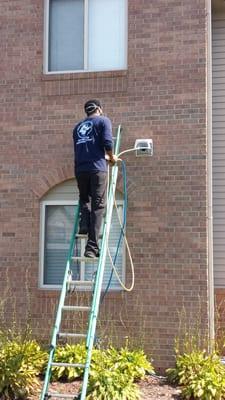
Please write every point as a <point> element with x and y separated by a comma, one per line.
<point>62,395</point>
<point>76,308</point>
<point>85,258</point>
<point>80,283</point>
<point>72,335</point>
<point>84,236</point>
<point>81,235</point>
<point>58,364</point>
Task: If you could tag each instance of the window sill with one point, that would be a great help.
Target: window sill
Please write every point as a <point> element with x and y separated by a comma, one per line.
<point>52,76</point>
<point>57,288</point>
<point>84,83</point>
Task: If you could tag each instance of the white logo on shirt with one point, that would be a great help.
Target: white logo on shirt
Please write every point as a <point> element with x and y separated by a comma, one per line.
<point>85,132</point>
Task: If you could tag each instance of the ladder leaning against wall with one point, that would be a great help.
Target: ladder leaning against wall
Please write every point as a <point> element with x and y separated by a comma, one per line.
<point>69,284</point>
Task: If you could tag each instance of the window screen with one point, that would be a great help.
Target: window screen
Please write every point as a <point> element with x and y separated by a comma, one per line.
<point>58,227</point>
<point>86,35</point>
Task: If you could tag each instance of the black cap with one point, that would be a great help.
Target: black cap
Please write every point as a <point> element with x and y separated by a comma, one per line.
<point>91,106</point>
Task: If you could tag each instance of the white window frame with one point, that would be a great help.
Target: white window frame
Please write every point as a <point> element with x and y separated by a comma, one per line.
<point>46,42</point>
<point>42,245</point>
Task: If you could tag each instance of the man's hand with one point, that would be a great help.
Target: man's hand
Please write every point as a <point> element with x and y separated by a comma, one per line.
<point>111,158</point>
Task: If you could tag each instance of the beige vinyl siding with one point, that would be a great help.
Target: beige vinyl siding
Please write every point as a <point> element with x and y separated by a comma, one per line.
<point>218,116</point>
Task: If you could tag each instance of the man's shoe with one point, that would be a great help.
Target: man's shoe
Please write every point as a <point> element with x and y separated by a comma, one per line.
<point>91,254</point>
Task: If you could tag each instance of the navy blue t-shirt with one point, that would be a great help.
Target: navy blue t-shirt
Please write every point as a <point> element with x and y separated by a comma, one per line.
<point>92,137</point>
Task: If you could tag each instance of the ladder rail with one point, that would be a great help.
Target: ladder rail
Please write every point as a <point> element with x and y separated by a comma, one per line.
<point>100,272</point>
<point>60,307</point>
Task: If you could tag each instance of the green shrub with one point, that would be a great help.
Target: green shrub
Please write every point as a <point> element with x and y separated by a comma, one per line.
<point>111,384</point>
<point>20,363</point>
<point>133,363</point>
<point>73,354</point>
<point>112,372</point>
<point>201,376</point>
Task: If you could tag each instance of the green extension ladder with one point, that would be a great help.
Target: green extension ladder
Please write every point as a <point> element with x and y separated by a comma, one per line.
<point>69,284</point>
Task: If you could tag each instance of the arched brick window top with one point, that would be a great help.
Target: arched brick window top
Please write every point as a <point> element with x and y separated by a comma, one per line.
<point>45,183</point>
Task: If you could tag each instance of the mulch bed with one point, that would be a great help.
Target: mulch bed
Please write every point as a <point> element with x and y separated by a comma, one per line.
<point>155,387</point>
<point>151,388</point>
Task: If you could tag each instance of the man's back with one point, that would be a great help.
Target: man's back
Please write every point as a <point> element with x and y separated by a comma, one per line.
<point>92,136</point>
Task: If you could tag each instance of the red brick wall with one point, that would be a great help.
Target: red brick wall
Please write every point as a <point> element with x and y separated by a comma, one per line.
<point>162,95</point>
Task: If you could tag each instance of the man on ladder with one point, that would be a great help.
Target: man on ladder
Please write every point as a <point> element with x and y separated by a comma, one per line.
<point>93,144</point>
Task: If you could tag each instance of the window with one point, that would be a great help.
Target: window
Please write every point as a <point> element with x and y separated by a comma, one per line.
<point>85,35</point>
<point>57,219</point>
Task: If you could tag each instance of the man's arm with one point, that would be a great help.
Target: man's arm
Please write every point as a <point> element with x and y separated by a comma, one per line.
<point>108,142</point>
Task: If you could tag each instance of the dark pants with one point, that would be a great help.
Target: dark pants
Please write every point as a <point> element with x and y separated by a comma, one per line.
<point>92,191</point>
